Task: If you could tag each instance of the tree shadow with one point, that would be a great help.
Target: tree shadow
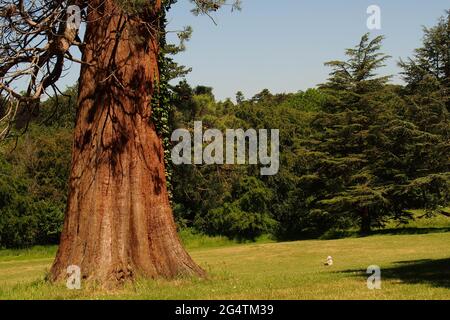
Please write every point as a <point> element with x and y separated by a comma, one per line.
<point>340,234</point>
<point>411,230</point>
<point>427,271</point>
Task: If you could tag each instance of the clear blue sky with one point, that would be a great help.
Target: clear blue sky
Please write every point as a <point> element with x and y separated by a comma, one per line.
<point>282,45</point>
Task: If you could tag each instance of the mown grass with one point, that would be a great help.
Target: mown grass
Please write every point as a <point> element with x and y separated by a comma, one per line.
<point>193,240</point>
<point>414,266</point>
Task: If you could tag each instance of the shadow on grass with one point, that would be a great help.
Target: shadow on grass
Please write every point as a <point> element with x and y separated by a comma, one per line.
<point>432,272</point>
<point>338,234</point>
<point>412,231</point>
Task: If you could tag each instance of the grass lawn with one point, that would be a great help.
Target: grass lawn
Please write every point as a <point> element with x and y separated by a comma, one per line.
<point>414,266</point>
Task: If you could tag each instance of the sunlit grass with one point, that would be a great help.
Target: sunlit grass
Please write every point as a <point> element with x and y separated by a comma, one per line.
<point>414,266</point>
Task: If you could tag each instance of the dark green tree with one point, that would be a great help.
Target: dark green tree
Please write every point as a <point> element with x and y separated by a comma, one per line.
<point>240,98</point>
<point>369,162</point>
<point>427,95</point>
<point>346,133</point>
<point>430,65</point>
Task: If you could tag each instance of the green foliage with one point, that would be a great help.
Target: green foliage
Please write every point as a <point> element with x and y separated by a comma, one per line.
<point>432,60</point>
<point>232,221</point>
<point>357,73</point>
<point>59,111</point>
<point>427,96</point>
<point>162,99</point>
<point>373,163</point>
<point>33,186</point>
<point>247,217</point>
<point>207,6</point>
<point>355,153</point>
<point>240,98</point>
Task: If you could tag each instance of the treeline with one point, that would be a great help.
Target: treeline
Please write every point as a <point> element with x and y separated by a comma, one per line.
<point>356,152</point>
<point>34,171</point>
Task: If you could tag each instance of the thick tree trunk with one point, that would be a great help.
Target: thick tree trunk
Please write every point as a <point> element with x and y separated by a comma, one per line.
<point>119,222</point>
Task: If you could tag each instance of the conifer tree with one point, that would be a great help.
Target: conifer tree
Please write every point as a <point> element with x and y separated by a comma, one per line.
<point>372,162</point>
<point>427,94</point>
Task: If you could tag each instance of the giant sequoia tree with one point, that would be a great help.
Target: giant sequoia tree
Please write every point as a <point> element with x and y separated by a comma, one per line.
<point>118,221</point>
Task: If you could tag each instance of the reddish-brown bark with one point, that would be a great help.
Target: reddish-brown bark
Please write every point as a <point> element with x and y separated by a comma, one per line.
<point>119,222</point>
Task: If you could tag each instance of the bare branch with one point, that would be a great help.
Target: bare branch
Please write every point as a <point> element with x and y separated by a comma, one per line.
<point>35,39</point>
